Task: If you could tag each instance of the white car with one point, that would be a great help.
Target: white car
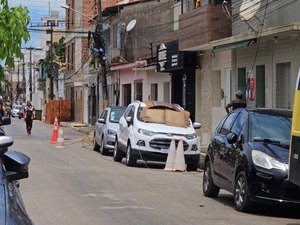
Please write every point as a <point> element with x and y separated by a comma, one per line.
<point>16,109</point>
<point>150,141</point>
<point>105,129</point>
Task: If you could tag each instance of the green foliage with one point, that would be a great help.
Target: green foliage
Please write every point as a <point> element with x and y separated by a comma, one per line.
<point>55,60</point>
<point>13,31</point>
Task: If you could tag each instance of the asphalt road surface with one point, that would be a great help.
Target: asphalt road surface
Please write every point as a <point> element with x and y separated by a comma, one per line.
<point>76,186</point>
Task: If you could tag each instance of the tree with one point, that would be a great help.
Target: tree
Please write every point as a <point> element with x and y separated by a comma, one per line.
<point>55,60</point>
<point>13,32</point>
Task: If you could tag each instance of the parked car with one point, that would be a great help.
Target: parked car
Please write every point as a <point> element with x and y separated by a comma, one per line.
<point>137,139</point>
<point>13,167</point>
<point>106,129</point>
<point>16,109</point>
<point>248,156</point>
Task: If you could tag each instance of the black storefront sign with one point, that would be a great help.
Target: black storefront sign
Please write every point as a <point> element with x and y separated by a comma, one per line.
<point>169,58</point>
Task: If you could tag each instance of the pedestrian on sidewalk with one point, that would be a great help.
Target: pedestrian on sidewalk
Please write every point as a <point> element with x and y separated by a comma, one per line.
<point>238,102</point>
<point>29,116</point>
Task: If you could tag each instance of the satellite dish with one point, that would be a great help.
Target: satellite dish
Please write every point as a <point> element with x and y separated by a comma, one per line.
<point>249,8</point>
<point>130,25</point>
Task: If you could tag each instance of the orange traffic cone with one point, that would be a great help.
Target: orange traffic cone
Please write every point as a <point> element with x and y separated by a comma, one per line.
<point>60,139</point>
<point>179,164</point>
<point>54,132</point>
<point>171,156</point>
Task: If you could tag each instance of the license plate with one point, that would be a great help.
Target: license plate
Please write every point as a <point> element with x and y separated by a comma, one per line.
<point>164,150</point>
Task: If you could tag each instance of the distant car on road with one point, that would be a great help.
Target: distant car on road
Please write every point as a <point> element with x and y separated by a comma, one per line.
<point>138,139</point>
<point>248,156</point>
<point>106,128</point>
<point>16,109</point>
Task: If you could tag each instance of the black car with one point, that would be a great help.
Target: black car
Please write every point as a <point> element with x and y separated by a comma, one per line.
<point>248,156</point>
<point>13,167</point>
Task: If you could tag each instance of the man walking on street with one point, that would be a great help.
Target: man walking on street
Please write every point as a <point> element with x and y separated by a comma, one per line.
<point>29,116</point>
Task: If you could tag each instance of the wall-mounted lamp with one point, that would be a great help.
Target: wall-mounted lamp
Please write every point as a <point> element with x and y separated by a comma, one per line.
<point>275,39</point>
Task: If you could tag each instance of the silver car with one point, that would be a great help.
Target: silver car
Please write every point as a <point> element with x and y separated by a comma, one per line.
<point>106,128</point>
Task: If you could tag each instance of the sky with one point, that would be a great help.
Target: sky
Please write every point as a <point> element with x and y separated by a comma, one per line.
<point>37,10</point>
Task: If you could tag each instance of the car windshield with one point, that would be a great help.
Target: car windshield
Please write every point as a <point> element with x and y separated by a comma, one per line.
<point>18,107</point>
<point>115,115</point>
<point>270,128</point>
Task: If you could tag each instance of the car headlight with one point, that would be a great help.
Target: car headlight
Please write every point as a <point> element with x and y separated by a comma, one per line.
<point>146,132</point>
<point>191,136</point>
<point>265,161</point>
<point>111,132</point>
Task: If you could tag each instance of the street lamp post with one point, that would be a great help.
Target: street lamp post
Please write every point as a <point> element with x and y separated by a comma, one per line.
<point>69,8</point>
<point>30,69</point>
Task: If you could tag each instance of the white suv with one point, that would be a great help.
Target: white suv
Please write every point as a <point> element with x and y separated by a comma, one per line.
<point>137,139</point>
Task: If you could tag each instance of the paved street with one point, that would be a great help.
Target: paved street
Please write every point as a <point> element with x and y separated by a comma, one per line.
<point>77,186</point>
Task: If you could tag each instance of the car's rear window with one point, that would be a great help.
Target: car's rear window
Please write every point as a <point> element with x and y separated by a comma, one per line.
<point>274,127</point>
<point>115,115</point>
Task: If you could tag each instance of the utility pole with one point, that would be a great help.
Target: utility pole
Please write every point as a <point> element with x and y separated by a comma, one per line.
<point>23,81</point>
<point>30,73</point>
<point>100,50</point>
<point>50,69</point>
<point>18,84</point>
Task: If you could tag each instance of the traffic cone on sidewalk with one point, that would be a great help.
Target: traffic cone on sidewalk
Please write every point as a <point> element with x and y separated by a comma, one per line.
<point>179,164</point>
<point>54,132</point>
<point>171,157</point>
<point>60,139</point>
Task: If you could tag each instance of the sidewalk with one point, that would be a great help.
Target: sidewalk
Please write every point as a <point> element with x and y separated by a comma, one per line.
<point>83,128</point>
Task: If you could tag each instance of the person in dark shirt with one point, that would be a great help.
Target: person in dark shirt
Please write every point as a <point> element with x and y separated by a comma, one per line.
<point>29,116</point>
<point>236,103</point>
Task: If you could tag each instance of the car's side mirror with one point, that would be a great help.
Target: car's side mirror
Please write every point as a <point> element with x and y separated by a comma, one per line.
<point>232,138</point>
<point>16,165</point>
<point>196,125</point>
<point>128,120</point>
<point>101,120</point>
<point>5,120</point>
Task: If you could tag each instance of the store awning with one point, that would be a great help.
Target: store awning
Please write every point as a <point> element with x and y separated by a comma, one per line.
<point>239,44</point>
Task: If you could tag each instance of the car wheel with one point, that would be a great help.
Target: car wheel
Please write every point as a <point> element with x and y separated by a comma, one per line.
<point>103,150</point>
<point>96,146</point>
<point>242,200</point>
<point>130,161</point>
<point>208,186</point>
<point>118,156</point>
<point>192,167</point>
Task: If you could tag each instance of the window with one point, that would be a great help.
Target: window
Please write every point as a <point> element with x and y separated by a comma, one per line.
<point>242,80</point>
<point>138,92</point>
<point>238,124</point>
<point>228,123</point>
<point>260,86</point>
<point>283,85</point>
<point>154,92</point>
<point>166,92</point>
<point>126,94</point>
<point>115,115</point>
<point>273,127</point>
<point>103,115</point>
<point>129,112</point>
<point>116,36</point>
<point>126,113</point>
<point>216,86</point>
